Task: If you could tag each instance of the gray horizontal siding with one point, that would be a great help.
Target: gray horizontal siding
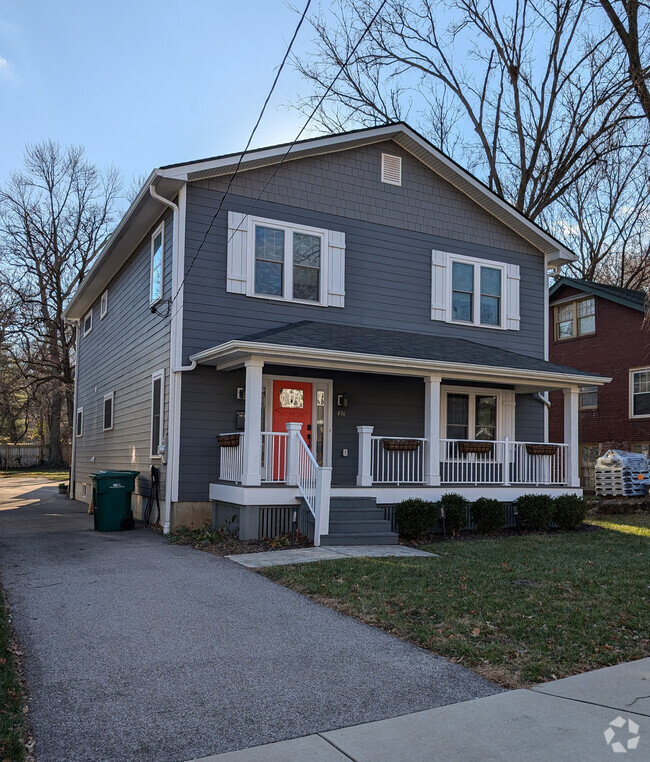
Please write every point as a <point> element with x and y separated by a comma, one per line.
<point>120,355</point>
<point>529,418</point>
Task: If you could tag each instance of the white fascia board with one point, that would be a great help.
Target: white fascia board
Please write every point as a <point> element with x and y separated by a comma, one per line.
<point>388,364</point>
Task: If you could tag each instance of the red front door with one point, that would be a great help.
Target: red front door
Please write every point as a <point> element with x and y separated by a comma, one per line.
<point>291,404</point>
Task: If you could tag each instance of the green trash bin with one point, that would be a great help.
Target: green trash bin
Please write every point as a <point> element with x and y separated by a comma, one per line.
<point>112,500</point>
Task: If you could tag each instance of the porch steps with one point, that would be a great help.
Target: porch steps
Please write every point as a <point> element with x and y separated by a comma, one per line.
<point>358,521</point>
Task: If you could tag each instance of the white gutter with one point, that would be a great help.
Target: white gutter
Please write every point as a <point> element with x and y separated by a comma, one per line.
<point>175,352</point>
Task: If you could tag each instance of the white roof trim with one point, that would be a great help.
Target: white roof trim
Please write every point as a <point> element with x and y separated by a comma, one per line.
<point>233,353</point>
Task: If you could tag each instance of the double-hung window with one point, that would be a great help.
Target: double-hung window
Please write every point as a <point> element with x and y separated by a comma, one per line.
<point>157,412</point>
<point>476,293</point>
<point>288,262</point>
<point>157,265</point>
<point>285,261</point>
<point>577,318</point>
<point>640,393</point>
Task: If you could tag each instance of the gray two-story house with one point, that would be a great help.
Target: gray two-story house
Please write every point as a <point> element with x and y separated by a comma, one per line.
<point>358,320</point>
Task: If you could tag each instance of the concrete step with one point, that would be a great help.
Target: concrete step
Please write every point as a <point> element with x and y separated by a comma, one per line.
<point>372,538</point>
<point>359,527</point>
<point>356,514</point>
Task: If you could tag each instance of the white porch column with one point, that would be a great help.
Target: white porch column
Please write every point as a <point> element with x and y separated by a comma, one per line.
<point>253,423</point>
<point>364,467</point>
<point>432,430</point>
<point>571,400</point>
<point>293,450</point>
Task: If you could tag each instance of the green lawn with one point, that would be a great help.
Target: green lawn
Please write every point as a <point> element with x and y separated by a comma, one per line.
<point>13,726</point>
<point>519,610</point>
<point>53,474</point>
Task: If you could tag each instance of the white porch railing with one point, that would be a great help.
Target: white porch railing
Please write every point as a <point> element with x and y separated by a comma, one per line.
<point>397,460</point>
<point>232,458</point>
<point>504,463</point>
<point>274,456</point>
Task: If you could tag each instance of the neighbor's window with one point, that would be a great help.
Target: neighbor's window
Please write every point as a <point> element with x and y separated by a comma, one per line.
<point>88,323</point>
<point>288,262</point>
<point>79,428</point>
<point>575,318</point>
<point>108,411</point>
<point>588,397</point>
<point>476,294</point>
<point>157,264</point>
<point>157,408</point>
<point>640,393</point>
<point>103,305</point>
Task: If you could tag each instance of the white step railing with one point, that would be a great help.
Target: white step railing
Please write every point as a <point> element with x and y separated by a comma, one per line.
<point>274,457</point>
<point>232,457</point>
<point>397,460</point>
<point>314,482</point>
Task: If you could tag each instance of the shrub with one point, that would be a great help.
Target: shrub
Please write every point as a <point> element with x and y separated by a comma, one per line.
<point>414,517</point>
<point>455,511</point>
<point>535,511</point>
<point>489,514</point>
<point>570,511</point>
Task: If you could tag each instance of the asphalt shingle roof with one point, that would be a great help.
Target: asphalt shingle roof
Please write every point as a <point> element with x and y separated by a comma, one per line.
<point>415,346</point>
<point>628,296</point>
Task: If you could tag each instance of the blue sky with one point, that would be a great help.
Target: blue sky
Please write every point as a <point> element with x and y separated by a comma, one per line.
<point>142,83</point>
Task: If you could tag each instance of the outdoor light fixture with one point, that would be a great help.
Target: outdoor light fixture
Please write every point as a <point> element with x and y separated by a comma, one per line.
<point>342,400</point>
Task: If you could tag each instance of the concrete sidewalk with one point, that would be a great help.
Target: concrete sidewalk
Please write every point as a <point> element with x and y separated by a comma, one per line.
<point>148,652</point>
<point>329,553</point>
<point>562,720</point>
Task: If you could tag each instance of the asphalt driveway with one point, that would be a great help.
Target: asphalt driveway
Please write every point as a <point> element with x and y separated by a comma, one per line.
<point>140,650</point>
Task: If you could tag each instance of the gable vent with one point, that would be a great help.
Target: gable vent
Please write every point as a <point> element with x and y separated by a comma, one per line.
<point>391,169</point>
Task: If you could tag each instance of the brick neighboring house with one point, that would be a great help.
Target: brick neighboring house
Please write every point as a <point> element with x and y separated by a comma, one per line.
<point>600,328</point>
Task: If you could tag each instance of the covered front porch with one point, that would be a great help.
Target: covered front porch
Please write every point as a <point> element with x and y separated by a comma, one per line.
<point>425,426</point>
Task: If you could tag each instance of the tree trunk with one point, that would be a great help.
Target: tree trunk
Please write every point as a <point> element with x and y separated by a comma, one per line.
<point>55,459</point>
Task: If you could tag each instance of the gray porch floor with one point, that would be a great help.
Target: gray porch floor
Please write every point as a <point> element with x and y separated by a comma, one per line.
<point>330,553</point>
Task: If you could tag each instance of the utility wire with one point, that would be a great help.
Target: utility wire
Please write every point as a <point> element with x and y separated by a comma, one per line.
<point>286,154</point>
<point>241,158</point>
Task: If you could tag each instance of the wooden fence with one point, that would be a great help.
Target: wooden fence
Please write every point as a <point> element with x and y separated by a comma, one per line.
<point>28,456</point>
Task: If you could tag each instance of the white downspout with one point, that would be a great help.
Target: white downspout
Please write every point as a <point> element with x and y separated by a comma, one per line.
<point>175,348</point>
<point>73,423</point>
<point>541,396</point>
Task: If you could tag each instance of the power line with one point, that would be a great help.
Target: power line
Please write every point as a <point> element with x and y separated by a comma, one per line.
<point>291,145</point>
<point>241,158</point>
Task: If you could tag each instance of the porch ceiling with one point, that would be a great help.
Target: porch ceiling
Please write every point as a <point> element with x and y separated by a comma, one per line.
<point>371,350</point>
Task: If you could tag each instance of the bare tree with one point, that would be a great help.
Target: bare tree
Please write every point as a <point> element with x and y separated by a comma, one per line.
<point>54,217</point>
<point>631,22</point>
<point>528,95</point>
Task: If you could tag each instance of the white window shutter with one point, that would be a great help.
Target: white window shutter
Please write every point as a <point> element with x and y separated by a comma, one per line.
<point>237,277</point>
<point>336,269</point>
<point>439,289</point>
<point>512,297</point>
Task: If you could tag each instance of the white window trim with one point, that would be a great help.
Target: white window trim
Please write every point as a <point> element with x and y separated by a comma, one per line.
<point>160,374</point>
<point>160,230</point>
<point>103,305</point>
<point>287,280</point>
<point>111,397</point>
<point>79,430</point>
<point>632,371</point>
<point>476,295</point>
<point>504,427</point>
<point>86,316</point>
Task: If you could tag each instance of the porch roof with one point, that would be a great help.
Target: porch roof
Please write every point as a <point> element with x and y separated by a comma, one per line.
<point>328,345</point>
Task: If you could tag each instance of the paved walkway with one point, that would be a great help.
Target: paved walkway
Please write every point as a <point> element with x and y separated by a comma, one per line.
<point>139,650</point>
<point>563,720</point>
<point>309,555</point>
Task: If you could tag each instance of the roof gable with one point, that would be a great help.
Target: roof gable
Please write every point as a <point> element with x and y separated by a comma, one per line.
<point>628,297</point>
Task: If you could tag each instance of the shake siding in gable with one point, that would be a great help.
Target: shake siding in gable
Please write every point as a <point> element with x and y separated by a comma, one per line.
<point>120,355</point>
